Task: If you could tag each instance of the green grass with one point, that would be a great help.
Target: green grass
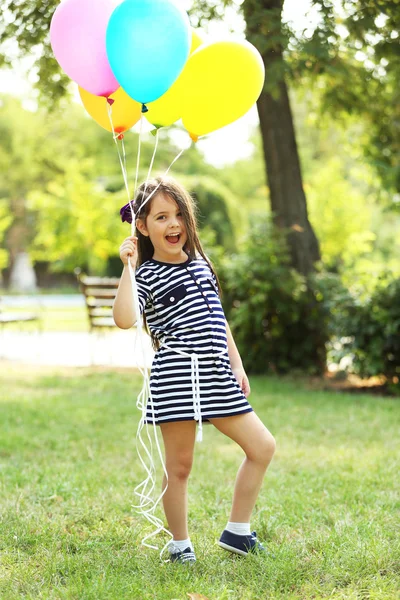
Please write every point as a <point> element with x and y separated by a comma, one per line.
<point>53,318</point>
<point>328,509</point>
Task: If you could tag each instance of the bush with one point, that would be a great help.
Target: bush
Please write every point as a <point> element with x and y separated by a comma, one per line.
<point>369,332</point>
<point>283,321</point>
<point>278,317</point>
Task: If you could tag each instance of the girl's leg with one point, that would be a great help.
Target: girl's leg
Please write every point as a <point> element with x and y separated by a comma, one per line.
<point>259,446</point>
<point>179,440</point>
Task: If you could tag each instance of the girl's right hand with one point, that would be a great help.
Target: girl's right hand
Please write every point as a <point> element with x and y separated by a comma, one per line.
<point>128,251</point>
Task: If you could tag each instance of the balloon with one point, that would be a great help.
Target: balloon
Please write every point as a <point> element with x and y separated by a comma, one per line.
<point>125,112</point>
<point>78,39</point>
<point>168,108</point>
<point>197,40</point>
<point>222,82</point>
<point>148,44</point>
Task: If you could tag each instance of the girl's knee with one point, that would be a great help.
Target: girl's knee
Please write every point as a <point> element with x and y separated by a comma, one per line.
<point>180,469</point>
<point>271,444</point>
<point>263,449</point>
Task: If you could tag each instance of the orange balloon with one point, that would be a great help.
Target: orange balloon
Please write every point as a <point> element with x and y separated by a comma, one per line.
<point>125,111</point>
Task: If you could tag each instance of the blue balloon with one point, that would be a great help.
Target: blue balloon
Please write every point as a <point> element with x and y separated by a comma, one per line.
<point>148,44</point>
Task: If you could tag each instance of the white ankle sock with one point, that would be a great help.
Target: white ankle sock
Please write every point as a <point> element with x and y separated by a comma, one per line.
<point>238,528</point>
<point>182,544</point>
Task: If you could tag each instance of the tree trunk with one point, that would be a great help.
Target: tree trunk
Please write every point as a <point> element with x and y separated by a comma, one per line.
<point>283,171</point>
<point>22,275</point>
<point>288,202</point>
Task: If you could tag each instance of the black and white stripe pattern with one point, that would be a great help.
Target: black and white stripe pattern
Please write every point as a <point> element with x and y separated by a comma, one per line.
<point>183,310</point>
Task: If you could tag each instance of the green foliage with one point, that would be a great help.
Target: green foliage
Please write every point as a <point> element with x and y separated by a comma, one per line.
<point>61,185</point>
<point>369,331</point>
<point>219,209</point>
<point>341,216</point>
<point>284,322</point>
<point>76,221</point>
<point>278,322</point>
<point>356,41</point>
<point>348,207</point>
<point>247,176</point>
<point>25,26</point>
<point>5,222</point>
<point>21,150</point>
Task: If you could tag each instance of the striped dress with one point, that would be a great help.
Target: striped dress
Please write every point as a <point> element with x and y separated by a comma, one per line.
<point>191,376</point>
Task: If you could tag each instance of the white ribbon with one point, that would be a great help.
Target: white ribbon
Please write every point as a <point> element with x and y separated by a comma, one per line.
<point>195,371</point>
<point>147,504</point>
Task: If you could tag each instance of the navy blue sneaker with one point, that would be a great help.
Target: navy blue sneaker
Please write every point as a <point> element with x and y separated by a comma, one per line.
<point>240,544</point>
<point>182,556</point>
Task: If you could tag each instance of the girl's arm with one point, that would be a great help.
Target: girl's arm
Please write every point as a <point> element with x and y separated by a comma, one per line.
<point>234,356</point>
<point>236,362</point>
<point>123,309</point>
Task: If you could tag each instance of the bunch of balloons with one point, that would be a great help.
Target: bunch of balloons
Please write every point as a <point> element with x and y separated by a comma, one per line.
<point>142,56</point>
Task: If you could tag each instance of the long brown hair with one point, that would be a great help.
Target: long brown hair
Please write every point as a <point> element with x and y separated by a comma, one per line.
<point>189,210</point>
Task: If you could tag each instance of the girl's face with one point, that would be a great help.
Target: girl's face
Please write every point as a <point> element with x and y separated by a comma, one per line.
<point>166,228</point>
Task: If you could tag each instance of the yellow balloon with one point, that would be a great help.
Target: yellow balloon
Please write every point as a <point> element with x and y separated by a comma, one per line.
<point>168,108</point>
<point>197,41</point>
<point>125,111</point>
<point>222,81</point>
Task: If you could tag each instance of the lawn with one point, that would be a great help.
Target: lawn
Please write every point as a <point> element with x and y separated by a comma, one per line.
<point>53,318</point>
<point>328,510</point>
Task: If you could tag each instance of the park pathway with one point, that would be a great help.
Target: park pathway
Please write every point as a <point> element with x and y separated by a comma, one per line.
<point>115,348</point>
<point>109,348</point>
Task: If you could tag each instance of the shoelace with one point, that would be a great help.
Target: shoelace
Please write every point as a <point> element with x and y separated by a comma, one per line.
<point>258,544</point>
<point>182,555</point>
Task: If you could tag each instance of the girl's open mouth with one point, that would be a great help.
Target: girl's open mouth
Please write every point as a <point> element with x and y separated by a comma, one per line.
<point>173,239</point>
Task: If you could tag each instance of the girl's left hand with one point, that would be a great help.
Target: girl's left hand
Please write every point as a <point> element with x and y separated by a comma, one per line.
<point>242,380</point>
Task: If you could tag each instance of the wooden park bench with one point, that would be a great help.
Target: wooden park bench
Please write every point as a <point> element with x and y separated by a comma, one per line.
<point>99,293</point>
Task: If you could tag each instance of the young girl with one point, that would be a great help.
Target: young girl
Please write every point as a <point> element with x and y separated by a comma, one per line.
<point>197,373</point>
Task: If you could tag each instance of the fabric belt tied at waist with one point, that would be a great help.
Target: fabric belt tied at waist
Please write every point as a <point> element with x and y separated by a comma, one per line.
<point>196,382</point>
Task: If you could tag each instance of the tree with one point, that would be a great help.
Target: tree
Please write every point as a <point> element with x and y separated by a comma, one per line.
<point>5,222</point>
<point>264,29</point>
<point>61,188</point>
<point>24,31</point>
<point>352,59</point>
<point>288,202</point>
<point>29,26</point>
<point>359,45</point>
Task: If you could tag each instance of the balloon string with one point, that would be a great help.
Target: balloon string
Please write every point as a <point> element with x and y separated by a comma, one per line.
<point>138,155</point>
<point>122,160</point>
<point>164,175</point>
<point>124,154</point>
<point>152,161</point>
<point>147,504</point>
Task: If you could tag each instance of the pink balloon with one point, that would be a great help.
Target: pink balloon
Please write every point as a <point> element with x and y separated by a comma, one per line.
<point>78,38</point>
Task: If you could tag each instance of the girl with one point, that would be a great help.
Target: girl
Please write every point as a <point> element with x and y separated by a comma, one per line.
<point>197,373</point>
